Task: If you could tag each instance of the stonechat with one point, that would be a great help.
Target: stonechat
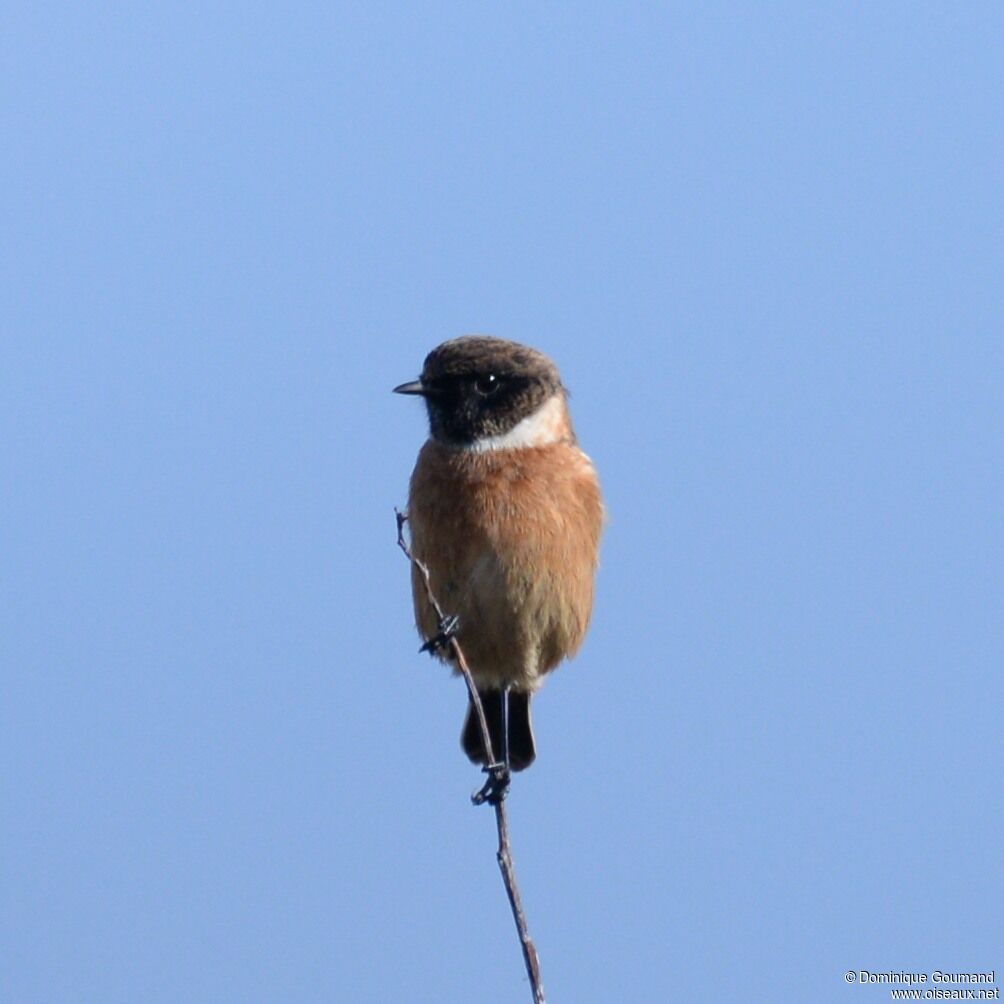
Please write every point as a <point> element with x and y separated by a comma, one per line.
<point>505,513</point>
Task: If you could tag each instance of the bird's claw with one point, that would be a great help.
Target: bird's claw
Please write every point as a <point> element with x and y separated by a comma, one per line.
<point>495,789</point>
<point>447,629</point>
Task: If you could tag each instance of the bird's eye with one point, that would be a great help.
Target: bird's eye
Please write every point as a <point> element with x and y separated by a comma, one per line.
<point>487,384</point>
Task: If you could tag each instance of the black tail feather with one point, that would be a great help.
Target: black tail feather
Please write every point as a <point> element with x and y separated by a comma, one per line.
<point>522,748</point>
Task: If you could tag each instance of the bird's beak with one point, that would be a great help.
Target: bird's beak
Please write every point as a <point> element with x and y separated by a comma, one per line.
<point>414,387</point>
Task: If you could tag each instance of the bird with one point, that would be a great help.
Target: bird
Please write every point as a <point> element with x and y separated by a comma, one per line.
<point>506,514</point>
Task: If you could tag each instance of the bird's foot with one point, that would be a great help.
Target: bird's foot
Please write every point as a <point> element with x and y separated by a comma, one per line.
<point>495,789</point>
<point>448,627</point>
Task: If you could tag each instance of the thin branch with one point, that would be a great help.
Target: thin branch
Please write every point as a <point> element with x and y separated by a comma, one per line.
<point>504,853</point>
<point>504,857</point>
<point>454,646</point>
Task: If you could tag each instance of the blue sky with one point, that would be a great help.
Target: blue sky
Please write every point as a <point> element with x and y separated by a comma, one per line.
<point>764,245</point>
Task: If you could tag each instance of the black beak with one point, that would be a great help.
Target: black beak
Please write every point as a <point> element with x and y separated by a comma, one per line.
<point>414,387</point>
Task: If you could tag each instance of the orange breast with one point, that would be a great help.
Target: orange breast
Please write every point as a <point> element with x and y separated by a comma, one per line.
<point>510,538</point>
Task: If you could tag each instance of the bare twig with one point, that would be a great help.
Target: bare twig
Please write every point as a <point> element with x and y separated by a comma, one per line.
<point>504,853</point>
<point>454,646</point>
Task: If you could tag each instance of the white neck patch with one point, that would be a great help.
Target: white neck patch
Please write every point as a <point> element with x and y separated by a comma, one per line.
<point>548,424</point>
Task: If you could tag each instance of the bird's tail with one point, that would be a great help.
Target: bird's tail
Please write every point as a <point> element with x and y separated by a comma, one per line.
<point>519,738</point>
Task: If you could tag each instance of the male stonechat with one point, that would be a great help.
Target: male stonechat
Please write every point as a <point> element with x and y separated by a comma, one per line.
<point>505,513</point>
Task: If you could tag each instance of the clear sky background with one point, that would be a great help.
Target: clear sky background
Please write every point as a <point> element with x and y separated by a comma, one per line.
<point>764,243</point>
